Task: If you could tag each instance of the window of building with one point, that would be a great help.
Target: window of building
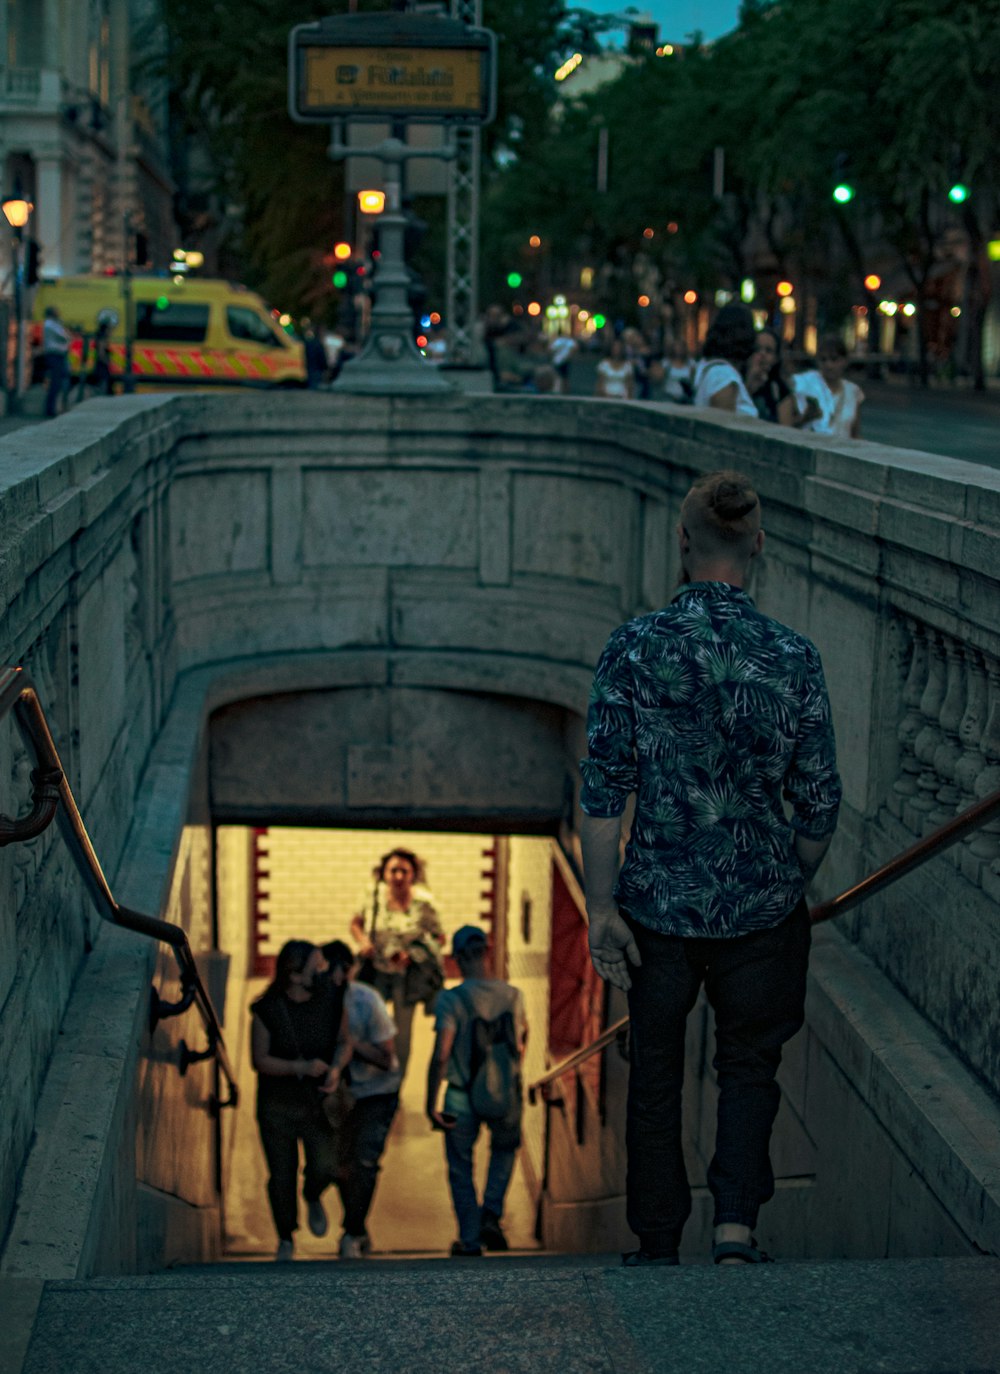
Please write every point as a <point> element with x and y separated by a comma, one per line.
<point>246,324</point>
<point>181,322</point>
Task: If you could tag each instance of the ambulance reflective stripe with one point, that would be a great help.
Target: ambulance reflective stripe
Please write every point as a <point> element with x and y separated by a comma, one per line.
<point>199,363</point>
<point>150,361</point>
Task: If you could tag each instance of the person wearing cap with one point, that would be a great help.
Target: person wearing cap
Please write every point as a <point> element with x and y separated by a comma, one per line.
<point>713,715</point>
<point>479,997</point>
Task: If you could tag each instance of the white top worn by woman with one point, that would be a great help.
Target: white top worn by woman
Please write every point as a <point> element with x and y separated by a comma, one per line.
<point>838,410</point>
<point>617,376</point>
<point>713,375</point>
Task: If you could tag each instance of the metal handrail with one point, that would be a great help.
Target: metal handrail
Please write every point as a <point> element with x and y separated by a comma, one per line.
<point>942,838</point>
<point>53,798</point>
<point>578,1057</point>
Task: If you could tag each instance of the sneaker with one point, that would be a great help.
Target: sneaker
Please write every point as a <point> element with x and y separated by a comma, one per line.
<point>490,1232</point>
<point>354,1247</point>
<point>460,1251</point>
<point>317,1217</point>
<point>635,1259</point>
<point>284,1252</point>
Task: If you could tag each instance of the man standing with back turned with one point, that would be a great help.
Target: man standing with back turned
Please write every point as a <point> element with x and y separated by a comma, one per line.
<point>710,712</point>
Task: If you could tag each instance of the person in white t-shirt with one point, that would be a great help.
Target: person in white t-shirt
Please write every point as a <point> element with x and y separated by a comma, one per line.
<point>561,350</point>
<point>615,374</point>
<point>374,1087</point>
<point>837,400</point>
<point>718,378</point>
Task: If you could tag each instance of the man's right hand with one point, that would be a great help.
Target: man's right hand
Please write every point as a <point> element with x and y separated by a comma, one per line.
<point>612,948</point>
<point>314,1068</point>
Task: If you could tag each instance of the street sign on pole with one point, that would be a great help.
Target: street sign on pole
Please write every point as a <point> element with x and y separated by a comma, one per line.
<point>391,66</point>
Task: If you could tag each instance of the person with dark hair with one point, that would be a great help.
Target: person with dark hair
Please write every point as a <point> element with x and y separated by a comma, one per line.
<point>481,1018</point>
<point>712,715</point>
<point>768,389</point>
<point>718,378</point>
<point>400,935</point>
<point>835,401</point>
<point>374,1090</point>
<point>299,1046</point>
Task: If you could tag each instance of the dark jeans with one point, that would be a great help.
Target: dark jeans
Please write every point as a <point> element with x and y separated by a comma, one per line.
<point>282,1125</point>
<point>362,1143</point>
<point>756,986</point>
<point>57,367</point>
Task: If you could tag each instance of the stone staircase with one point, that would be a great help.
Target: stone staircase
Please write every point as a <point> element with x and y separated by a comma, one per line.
<point>514,1315</point>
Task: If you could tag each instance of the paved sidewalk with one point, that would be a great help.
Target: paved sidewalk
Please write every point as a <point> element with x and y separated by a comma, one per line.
<point>522,1316</point>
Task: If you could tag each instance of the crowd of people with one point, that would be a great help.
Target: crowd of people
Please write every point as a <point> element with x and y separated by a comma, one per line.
<point>330,1060</point>
<point>740,369</point>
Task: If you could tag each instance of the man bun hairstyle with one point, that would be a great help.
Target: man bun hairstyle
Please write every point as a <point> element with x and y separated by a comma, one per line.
<point>722,510</point>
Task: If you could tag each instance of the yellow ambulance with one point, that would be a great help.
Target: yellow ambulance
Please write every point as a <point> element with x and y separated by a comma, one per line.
<point>194,332</point>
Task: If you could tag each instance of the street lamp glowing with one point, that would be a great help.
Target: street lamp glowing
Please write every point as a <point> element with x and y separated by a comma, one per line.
<point>16,211</point>
<point>534,241</point>
<point>873,281</point>
<point>371,202</point>
<point>534,308</point>
<point>643,302</point>
<point>690,297</point>
<point>341,251</point>
<point>784,288</point>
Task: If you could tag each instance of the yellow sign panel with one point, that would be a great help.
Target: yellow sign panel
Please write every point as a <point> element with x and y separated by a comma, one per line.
<point>427,80</point>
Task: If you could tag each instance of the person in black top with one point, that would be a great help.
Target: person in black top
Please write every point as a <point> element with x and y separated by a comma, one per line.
<point>770,392</point>
<point>300,1044</point>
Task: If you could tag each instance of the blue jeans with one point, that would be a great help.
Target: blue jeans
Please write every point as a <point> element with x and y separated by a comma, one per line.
<point>459,1143</point>
<point>756,986</point>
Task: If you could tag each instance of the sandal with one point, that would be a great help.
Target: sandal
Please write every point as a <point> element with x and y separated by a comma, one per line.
<point>735,1249</point>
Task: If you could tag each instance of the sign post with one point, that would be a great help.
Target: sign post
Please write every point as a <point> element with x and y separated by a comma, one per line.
<point>399,68</point>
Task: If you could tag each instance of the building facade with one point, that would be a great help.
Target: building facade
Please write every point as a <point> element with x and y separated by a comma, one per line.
<point>83,131</point>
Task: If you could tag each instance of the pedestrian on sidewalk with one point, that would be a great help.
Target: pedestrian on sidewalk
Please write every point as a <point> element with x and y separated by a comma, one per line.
<point>836,402</point>
<point>299,1046</point>
<point>56,340</point>
<point>710,713</point>
<point>373,1095</point>
<point>719,376</point>
<point>481,1035</point>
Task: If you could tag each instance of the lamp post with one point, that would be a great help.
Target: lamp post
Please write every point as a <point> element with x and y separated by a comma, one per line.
<point>17,211</point>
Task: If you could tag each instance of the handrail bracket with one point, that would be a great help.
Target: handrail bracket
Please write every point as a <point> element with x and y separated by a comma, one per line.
<point>45,799</point>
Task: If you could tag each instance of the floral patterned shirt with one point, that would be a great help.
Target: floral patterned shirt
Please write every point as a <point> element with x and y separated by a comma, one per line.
<point>711,713</point>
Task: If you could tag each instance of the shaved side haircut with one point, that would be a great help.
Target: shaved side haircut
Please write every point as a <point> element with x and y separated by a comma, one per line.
<point>721,514</point>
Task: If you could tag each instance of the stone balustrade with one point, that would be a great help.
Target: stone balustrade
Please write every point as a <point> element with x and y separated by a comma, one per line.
<point>170,558</point>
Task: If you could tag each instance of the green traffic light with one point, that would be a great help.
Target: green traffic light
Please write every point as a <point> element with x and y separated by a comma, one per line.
<point>599,321</point>
<point>843,193</point>
<point>958,193</point>
<point>340,280</point>
<point>514,280</point>
<point>162,302</point>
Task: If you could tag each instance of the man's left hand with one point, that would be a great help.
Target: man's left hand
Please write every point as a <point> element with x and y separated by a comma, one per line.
<point>612,949</point>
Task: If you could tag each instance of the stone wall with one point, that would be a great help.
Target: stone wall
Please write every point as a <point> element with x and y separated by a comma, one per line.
<point>168,558</point>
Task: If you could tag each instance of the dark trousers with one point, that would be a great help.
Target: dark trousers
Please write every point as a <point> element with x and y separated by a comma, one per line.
<point>57,367</point>
<point>756,986</point>
<point>362,1142</point>
<point>282,1125</point>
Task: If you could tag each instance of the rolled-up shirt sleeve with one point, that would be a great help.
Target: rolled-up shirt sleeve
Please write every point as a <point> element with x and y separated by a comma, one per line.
<point>610,773</point>
<point>812,783</point>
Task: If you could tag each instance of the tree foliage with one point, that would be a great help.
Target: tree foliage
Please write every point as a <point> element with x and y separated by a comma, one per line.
<point>896,96</point>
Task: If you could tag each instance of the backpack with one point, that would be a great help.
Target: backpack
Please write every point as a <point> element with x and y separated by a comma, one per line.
<point>494,1066</point>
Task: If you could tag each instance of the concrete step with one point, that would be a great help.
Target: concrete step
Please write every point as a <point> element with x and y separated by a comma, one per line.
<point>518,1316</point>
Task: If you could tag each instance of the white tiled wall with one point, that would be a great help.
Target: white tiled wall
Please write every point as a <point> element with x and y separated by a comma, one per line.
<point>316,879</point>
